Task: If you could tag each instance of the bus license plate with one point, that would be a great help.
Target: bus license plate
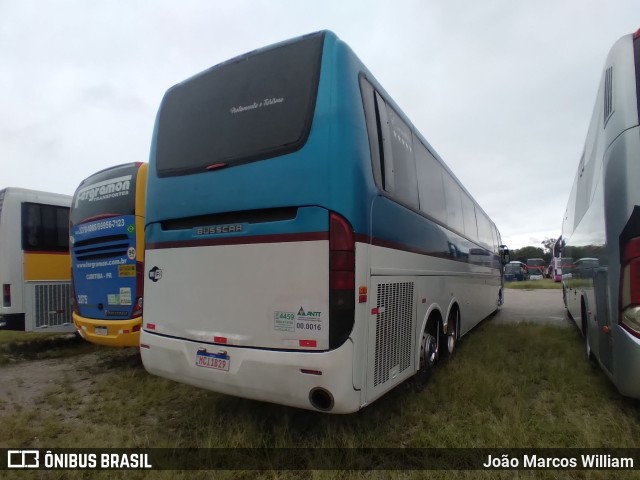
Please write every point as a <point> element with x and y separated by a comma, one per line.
<point>102,331</point>
<point>217,361</point>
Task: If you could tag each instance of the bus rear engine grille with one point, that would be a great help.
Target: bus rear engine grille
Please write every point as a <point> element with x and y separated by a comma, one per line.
<point>102,247</point>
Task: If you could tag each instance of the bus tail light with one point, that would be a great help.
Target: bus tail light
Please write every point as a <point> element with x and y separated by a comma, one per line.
<point>6,295</point>
<point>630,287</point>
<point>342,267</point>
<point>137,308</point>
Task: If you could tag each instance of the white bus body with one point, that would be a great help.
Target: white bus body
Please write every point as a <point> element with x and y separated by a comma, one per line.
<point>35,270</point>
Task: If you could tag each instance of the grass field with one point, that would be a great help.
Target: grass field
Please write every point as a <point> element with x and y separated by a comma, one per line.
<point>508,386</point>
<point>545,283</point>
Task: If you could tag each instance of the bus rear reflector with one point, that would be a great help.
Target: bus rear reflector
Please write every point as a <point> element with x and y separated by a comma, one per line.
<point>310,372</point>
<point>220,340</point>
<point>151,326</point>
<point>629,316</point>
<point>308,343</point>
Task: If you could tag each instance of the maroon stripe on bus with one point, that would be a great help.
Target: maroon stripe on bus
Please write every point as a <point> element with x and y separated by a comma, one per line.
<point>207,242</point>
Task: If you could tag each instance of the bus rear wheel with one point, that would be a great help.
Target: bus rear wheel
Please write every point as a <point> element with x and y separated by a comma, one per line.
<point>452,336</point>
<point>428,359</point>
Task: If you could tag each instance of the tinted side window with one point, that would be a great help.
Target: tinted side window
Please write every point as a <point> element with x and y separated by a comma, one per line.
<point>485,234</point>
<point>400,138</point>
<point>430,186</point>
<point>454,203</point>
<point>45,228</point>
<point>469,217</point>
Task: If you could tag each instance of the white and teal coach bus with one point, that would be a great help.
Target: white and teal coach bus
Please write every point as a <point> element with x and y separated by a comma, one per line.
<point>305,244</point>
<point>601,225</point>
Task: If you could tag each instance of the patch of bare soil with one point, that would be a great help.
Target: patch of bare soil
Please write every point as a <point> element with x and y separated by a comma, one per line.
<point>25,382</point>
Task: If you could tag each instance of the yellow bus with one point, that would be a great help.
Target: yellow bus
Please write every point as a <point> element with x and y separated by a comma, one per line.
<point>34,261</point>
<point>106,229</point>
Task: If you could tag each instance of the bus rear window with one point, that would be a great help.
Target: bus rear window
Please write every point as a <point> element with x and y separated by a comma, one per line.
<point>253,107</point>
<point>109,192</point>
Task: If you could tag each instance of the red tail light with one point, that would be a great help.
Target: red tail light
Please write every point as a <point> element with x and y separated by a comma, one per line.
<point>630,287</point>
<point>342,261</point>
<point>342,267</point>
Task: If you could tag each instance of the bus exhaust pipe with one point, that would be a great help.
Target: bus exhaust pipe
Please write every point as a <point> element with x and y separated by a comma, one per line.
<point>321,399</point>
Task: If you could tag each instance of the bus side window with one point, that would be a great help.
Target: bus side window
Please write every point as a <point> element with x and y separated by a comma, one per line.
<point>45,227</point>
<point>373,131</point>
<point>430,186</point>
<point>397,150</point>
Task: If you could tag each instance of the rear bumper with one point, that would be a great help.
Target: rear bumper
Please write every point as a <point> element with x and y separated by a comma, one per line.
<point>627,363</point>
<point>264,375</point>
<point>120,333</point>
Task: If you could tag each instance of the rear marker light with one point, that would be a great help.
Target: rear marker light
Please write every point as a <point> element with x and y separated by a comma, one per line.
<point>308,343</point>
<point>136,328</point>
<point>362,294</point>
<point>151,326</point>
<point>310,372</point>
<point>219,339</point>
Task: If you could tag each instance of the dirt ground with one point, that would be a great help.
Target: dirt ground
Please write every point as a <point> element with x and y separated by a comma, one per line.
<point>26,380</point>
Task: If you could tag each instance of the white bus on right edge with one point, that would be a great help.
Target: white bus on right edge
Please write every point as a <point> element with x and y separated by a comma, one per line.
<point>601,225</point>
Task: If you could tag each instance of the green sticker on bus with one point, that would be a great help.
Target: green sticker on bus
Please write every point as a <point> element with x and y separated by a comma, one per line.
<point>284,321</point>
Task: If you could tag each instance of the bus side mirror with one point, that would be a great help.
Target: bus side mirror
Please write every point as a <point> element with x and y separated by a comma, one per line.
<point>504,254</point>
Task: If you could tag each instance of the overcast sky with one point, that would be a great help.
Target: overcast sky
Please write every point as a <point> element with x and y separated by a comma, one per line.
<point>502,89</point>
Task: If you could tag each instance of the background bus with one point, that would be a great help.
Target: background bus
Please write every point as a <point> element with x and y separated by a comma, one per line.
<point>107,249</point>
<point>34,261</point>
<point>555,269</point>
<point>310,249</point>
<point>535,266</point>
<point>601,225</point>
<point>515,271</point>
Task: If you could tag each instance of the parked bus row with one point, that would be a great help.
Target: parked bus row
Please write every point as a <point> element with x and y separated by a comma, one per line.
<point>93,284</point>
<point>310,249</point>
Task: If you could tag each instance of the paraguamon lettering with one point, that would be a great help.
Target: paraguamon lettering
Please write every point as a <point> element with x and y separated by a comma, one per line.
<point>115,187</point>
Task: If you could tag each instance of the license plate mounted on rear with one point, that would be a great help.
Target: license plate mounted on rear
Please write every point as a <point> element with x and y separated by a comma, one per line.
<point>102,331</point>
<point>215,361</point>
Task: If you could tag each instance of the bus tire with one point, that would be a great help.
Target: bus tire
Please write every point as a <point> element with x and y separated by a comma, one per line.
<point>428,354</point>
<point>450,339</point>
<point>585,331</point>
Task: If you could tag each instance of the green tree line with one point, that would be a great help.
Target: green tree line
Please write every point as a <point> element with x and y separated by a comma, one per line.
<point>545,252</point>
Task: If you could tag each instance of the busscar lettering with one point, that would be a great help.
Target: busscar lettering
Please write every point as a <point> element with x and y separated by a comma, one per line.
<point>217,229</point>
